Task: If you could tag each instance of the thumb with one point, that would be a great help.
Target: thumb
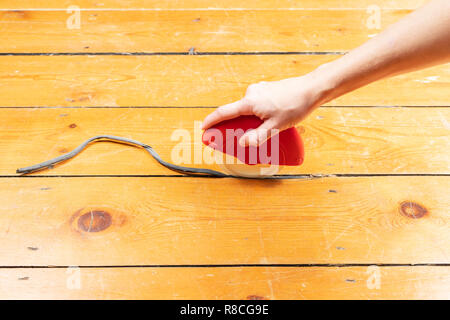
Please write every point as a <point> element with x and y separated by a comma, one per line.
<point>257,136</point>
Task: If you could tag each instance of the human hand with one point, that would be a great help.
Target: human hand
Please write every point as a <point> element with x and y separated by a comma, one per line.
<point>281,104</point>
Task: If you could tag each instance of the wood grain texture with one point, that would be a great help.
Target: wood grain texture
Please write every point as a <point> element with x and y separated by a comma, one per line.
<point>178,31</point>
<point>211,5</point>
<point>142,237</point>
<point>227,283</point>
<point>187,81</point>
<point>337,140</point>
<point>183,221</point>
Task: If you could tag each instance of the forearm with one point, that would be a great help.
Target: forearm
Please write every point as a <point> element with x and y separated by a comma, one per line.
<point>420,40</point>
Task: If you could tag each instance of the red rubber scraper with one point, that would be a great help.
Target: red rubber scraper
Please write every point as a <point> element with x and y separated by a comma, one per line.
<point>283,149</point>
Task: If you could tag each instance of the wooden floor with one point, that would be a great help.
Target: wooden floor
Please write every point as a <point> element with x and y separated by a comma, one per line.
<point>367,217</point>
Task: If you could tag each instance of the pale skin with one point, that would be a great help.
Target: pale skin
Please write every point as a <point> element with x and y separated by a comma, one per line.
<point>420,40</point>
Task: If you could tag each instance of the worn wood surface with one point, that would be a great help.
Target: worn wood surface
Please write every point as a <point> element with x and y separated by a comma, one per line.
<point>179,31</point>
<point>375,180</point>
<point>188,81</point>
<point>160,220</point>
<point>354,140</point>
<point>212,5</point>
<point>228,283</point>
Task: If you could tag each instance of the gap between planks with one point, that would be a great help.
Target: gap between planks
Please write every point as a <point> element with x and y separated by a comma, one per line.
<point>175,53</point>
<point>199,107</point>
<point>199,9</point>
<point>285,265</point>
<point>277,177</point>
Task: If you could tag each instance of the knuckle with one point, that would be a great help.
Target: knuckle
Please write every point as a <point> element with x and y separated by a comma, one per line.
<point>252,88</point>
<point>247,101</point>
<point>220,111</point>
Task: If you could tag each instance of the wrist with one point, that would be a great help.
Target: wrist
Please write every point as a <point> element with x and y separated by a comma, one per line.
<point>324,83</point>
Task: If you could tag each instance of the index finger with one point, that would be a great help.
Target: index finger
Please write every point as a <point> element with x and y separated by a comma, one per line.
<point>225,112</point>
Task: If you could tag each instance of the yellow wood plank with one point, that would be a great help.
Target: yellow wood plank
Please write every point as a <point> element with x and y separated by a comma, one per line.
<point>186,80</point>
<point>337,140</point>
<point>178,31</point>
<point>152,221</point>
<point>227,283</point>
<point>211,5</point>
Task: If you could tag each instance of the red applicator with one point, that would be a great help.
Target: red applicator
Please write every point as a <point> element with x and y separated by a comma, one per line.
<point>283,149</point>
